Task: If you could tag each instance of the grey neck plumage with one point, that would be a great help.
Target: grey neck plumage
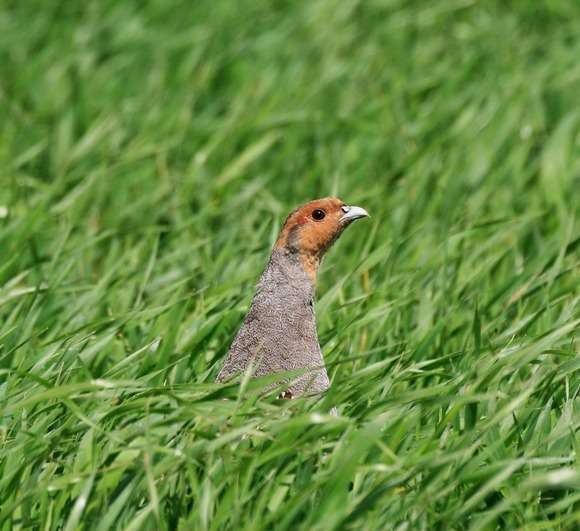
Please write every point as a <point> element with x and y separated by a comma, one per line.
<point>285,283</point>
<point>279,331</point>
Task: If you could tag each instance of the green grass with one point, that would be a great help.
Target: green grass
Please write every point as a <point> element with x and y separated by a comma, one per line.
<point>148,154</point>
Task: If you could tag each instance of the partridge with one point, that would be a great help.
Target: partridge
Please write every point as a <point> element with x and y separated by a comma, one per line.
<point>279,332</point>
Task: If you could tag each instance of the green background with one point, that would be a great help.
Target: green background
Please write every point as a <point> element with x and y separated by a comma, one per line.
<point>149,152</point>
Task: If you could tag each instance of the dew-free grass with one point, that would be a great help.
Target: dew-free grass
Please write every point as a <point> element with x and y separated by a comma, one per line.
<point>149,152</point>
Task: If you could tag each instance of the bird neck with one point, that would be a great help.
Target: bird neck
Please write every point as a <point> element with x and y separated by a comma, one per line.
<point>290,274</point>
<point>289,253</point>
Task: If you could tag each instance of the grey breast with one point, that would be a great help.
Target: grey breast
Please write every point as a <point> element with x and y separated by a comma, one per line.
<point>279,331</point>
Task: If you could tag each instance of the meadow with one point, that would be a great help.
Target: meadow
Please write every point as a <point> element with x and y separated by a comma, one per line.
<point>149,152</point>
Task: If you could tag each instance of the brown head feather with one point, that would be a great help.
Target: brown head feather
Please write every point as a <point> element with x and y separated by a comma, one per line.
<point>309,233</point>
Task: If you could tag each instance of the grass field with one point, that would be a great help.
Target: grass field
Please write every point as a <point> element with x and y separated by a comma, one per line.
<point>149,152</point>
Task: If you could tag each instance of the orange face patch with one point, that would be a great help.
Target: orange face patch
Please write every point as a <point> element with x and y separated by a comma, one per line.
<point>311,229</point>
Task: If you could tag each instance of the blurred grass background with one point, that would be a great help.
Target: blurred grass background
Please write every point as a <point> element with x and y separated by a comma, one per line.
<point>148,154</point>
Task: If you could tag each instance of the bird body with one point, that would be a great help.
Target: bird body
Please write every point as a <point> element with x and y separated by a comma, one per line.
<point>279,331</point>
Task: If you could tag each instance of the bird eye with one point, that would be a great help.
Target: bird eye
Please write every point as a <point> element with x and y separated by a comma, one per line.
<point>318,214</point>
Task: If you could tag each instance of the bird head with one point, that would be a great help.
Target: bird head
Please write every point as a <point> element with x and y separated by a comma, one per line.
<point>311,229</point>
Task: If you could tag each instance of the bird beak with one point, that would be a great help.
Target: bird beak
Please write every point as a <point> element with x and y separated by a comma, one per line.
<point>353,212</point>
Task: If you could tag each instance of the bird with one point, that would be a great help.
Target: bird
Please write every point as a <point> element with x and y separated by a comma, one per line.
<point>279,331</point>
